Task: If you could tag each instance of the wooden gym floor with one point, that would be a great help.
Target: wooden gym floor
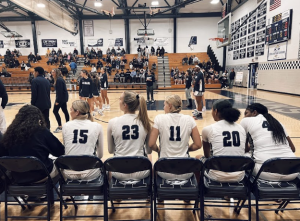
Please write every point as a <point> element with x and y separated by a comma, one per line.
<point>286,108</point>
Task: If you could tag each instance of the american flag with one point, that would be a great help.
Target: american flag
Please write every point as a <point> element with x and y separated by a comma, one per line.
<point>274,4</point>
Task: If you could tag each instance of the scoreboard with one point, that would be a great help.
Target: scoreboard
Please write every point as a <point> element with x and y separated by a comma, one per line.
<point>279,31</point>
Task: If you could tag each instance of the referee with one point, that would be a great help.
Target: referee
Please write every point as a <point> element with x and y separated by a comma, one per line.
<point>40,93</point>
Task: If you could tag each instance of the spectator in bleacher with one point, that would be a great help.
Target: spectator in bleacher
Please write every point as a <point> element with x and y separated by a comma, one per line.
<point>30,78</point>
<point>70,57</point>
<point>146,62</point>
<point>138,76</point>
<point>152,51</point>
<point>11,63</point>
<point>73,67</point>
<point>53,52</point>
<point>48,52</point>
<point>147,52</point>
<point>117,77</point>
<point>128,76</point>
<point>118,64</point>
<point>118,51</point>
<point>94,69</point>
<point>224,80</point>
<point>23,66</point>
<point>139,51</point>
<point>216,77</point>
<point>108,51</point>
<point>133,76</point>
<point>8,52</point>
<point>18,54</point>
<point>59,52</point>
<point>157,51</point>
<point>177,70</point>
<point>162,52</point>
<point>122,77</point>
<point>195,60</point>
<point>16,63</point>
<point>113,51</point>
<point>99,64</point>
<point>130,65</point>
<point>108,58</point>
<point>93,53</point>
<point>75,51</point>
<point>99,53</point>
<point>86,51</point>
<point>185,60</point>
<point>153,66</point>
<point>191,60</point>
<point>55,59</point>
<point>31,57</point>
<point>64,70</point>
<point>61,61</point>
<point>108,69</point>
<point>65,56</point>
<point>209,65</point>
<point>38,57</point>
<point>150,79</point>
<point>87,62</point>
<point>28,65</point>
<point>172,72</point>
<point>40,93</point>
<point>180,78</point>
<point>123,52</point>
<point>142,75</point>
<point>113,64</point>
<point>122,64</point>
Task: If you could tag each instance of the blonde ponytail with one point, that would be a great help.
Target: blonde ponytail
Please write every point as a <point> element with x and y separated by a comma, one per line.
<point>176,103</point>
<point>143,114</point>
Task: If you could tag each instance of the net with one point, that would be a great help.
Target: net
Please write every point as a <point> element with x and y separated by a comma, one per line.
<point>10,34</point>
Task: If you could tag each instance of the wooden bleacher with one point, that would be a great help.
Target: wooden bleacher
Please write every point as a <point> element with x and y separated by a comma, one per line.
<point>175,60</point>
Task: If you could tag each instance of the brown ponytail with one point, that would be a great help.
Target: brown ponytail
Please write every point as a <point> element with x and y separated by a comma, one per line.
<point>143,114</point>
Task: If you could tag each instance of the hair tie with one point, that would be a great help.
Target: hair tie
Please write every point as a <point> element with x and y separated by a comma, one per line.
<point>137,96</point>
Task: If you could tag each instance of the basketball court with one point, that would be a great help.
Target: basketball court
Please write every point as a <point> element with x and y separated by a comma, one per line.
<point>265,59</point>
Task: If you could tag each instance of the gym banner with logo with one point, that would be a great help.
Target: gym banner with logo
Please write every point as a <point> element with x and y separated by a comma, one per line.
<point>277,52</point>
<point>68,44</point>
<point>22,43</point>
<point>119,42</point>
<point>49,43</point>
<point>95,42</point>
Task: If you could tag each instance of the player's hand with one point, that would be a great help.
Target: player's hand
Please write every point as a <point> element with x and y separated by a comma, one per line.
<point>56,103</point>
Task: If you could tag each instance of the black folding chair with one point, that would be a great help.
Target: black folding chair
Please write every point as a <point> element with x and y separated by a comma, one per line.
<point>176,189</point>
<point>20,166</point>
<point>78,187</point>
<point>286,191</point>
<point>130,190</point>
<point>239,190</point>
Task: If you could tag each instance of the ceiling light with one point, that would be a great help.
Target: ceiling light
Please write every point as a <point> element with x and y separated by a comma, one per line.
<point>154,3</point>
<point>98,4</point>
<point>214,2</point>
<point>40,5</point>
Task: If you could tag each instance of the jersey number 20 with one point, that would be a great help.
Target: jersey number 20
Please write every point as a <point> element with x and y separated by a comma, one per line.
<point>228,141</point>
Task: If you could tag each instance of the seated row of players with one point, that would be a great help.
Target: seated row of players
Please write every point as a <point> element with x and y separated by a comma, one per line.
<point>134,134</point>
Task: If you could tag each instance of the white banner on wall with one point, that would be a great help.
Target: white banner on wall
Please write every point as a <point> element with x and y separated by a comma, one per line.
<point>111,42</point>
<point>277,51</point>
<point>95,42</point>
<point>161,41</point>
<point>68,44</point>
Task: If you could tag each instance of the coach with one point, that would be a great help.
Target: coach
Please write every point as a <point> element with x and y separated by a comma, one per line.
<point>40,93</point>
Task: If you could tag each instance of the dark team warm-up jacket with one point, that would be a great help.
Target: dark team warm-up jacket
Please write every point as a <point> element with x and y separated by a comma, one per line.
<point>86,88</point>
<point>40,93</point>
<point>62,95</point>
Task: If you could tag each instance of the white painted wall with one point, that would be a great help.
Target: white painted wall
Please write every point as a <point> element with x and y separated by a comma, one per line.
<point>49,31</point>
<point>161,29</point>
<point>293,44</point>
<point>24,29</point>
<point>204,29</point>
<point>101,30</point>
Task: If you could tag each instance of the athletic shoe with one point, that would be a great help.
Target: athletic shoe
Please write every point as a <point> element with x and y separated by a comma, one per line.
<point>198,116</point>
<point>100,112</point>
<point>147,101</point>
<point>204,109</point>
<point>107,107</point>
<point>103,107</point>
<point>96,109</point>
<point>94,113</point>
<point>195,113</point>
<point>152,101</point>
<point>57,130</point>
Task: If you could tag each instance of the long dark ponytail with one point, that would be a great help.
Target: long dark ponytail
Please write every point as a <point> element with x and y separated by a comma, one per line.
<point>278,133</point>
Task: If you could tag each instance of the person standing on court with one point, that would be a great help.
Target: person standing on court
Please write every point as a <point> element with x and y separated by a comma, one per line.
<point>231,78</point>
<point>4,100</point>
<point>150,79</point>
<point>40,93</point>
<point>62,98</point>
<point>188,88</point>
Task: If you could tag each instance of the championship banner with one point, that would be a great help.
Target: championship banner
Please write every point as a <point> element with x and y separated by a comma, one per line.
<point>68,44</point>
<point>161,41</point>
<point>95,42</point>
<point>277,52</point>
<point>22,43</point>
<point>49,43</point>
<point>119,42</point>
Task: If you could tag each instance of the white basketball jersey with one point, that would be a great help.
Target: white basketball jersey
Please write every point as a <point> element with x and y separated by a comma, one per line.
<point>264,145</point>
<point>129,135</point>
<point>81,137</point>
<point>174,133</point>
<point>225,139</point>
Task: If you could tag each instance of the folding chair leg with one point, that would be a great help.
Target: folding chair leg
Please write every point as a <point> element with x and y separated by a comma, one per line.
<point>49,201</point>
<point>22,205</point>
<point>155,207</point>
<point>60,207</point>
<point>286,203</point>
<point>279,207</point>
<point>151,204</point>
<point>74,203</point>
<point>239,208</point>
<point>202,208</point>
<point>195,206</point>
<point>249,207</point>
<point>57,192</point>
<point>257,210</point>
<point>5,206</point>
<point>112,205</point>
<point>105,207</point>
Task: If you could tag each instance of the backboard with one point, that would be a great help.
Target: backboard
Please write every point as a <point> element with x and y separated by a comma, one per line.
<point>224,31</point>
<point>11,34</point>
<point>143,32</point>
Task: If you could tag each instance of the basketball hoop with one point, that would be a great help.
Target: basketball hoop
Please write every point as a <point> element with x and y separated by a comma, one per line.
<point>12,40</point>
<point>217,40</point>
